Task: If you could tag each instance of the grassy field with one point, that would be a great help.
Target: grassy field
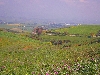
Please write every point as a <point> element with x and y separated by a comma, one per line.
<point>22,55</point>
<point>82,29</point>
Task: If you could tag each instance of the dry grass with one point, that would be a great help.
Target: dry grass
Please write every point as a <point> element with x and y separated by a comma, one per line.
<point>14,24</point>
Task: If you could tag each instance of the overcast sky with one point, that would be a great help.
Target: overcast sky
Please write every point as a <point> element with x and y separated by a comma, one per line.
<point>62,10</point>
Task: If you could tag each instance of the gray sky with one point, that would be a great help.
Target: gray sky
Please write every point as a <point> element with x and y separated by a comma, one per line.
<point>61,10</point>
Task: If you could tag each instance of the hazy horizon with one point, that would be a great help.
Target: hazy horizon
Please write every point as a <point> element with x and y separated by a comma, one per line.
<point>78,11</point>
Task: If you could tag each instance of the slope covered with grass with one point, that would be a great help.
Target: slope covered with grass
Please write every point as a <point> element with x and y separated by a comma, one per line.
<point>81,29</point>
<point>21,55</point>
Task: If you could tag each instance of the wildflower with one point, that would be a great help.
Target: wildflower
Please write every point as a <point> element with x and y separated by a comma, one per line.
<point>68,67</point>
<point>59,69</point>
<point>55,72</point>
<point>92,58</point>
<point>79,65</point>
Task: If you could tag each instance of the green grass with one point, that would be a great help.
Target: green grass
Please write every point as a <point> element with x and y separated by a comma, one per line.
<point>21,55</point>
<point>83,29</point>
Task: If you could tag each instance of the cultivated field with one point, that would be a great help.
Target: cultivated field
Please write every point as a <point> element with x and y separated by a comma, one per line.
<point>64,51</point>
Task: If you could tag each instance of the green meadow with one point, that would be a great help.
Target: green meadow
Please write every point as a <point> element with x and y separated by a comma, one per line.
<point>25,54</point>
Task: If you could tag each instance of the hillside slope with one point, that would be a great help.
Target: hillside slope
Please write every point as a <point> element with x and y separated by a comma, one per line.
<point>21,55</point>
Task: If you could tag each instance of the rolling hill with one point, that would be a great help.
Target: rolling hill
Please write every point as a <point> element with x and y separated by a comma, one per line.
<point>25,54</point>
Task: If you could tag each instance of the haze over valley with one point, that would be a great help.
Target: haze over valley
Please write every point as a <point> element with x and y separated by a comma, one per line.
<point>58,11</point>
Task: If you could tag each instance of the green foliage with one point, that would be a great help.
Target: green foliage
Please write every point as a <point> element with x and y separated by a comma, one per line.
<point>21,55</point>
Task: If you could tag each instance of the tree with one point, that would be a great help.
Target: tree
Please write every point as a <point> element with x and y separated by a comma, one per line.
<point>37,31</point>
